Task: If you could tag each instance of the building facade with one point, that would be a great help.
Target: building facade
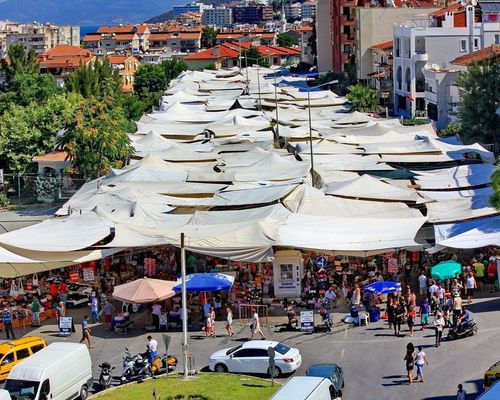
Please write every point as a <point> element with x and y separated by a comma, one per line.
<point>189,8</point>
<point>252,14</point>
<point>127,66</point>
<point>219,16</point>
<point>308,10</point>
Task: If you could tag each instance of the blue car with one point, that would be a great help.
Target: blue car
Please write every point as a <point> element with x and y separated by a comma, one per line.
<point>330,371</point>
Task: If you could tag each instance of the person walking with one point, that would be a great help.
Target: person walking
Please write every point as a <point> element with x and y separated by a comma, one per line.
<point>209,327</point>
<point>409,361</point>
<point>461,395</point>
<point>21,317</point>
<point>107,310</point>
<point>399,312</point>
<point>152,349</point>
<point>410,319</point>
<point>424,312</point>
<point>255,325</point>
<point>94,308</point>
<point>155,314</point>
<point>470,285</point>
<point>420,360</point>
<point>229,321</point>
<point>86,332</point>
<point>35,312</point>
<point>439,323</point>
<point>390,310</point>
<point>356,296</point>
<point>422,284</point>
<point>7,323</point>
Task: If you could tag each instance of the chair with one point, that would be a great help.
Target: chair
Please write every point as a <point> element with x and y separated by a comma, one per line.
<point>364,316</point>
<point>124,327</point>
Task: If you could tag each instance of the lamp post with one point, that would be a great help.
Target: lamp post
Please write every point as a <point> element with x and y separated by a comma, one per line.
<point>258,77</point>
<point>310,120</point>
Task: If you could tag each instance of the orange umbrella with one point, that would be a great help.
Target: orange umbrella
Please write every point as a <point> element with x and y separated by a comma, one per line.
<point>144,290</point>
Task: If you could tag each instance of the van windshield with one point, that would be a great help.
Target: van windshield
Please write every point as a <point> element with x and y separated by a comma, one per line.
<point>21,390</point>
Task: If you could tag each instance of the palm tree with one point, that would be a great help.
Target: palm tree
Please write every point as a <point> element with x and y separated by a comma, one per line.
<point>362,98</point>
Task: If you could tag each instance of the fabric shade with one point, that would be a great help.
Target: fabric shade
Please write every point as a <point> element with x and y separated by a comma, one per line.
<point>383,287</point>
<point>206,282</point>
<point>446,270</point>
<point>145,290</point>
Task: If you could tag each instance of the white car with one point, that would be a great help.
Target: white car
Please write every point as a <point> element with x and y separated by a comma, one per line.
<point>252,358</point>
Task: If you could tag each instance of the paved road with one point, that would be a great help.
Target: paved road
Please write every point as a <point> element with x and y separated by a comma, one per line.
<point>371,356</point>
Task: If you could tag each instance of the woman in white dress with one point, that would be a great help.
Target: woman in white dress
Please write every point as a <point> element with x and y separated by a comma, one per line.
<point>255,325</point>
<point>229,321</point>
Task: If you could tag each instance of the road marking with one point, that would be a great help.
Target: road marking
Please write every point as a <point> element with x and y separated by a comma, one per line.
<point>342,353</point>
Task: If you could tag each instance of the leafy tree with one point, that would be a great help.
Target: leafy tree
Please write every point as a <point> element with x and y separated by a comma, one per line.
<point>250,56</point>
<point>20,62</point>
<point>495,198</point>
<point>97,79</point>
<point>286,40</point>
<point>29,131</point>
<point>480,93</point>
<point>97,139</point>
<point>362,98</point>
<point>208,37</point>
<point>173,67</point>
<point>32,87</point>
<point>149,78</point>
<point>453,128</point>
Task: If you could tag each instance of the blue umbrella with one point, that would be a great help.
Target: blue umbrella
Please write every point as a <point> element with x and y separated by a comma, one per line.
<point>206,282</point>
<point>383,287</point>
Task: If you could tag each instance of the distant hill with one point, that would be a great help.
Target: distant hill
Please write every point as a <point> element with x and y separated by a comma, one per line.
<point>160,18</point>
<point>84,12</point>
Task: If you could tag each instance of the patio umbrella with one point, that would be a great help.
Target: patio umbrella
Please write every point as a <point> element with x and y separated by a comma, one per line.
<point>383,287</point>
<point>206,282</point>
<point>144,290</point>
<point>446,270</point>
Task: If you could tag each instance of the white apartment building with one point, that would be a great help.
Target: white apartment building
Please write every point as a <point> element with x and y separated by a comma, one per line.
<point>39,37</point>
<point>189,8</point>
<point>219,16</point>
<point>424,80</point>
<point>293,11</point>
<point>308,9</point>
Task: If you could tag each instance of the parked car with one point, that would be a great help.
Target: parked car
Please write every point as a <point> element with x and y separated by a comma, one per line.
<point>13,352</point>
<point>491,375</point>
<point>330,371</point>
<point>252,357</point>
<point>306,388</point>
<point>60,371</point>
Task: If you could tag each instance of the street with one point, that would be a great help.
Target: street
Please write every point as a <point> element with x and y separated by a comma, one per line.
<point>371,356</point>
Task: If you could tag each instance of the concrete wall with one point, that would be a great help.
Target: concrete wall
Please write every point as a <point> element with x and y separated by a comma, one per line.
<point>375,25</point>
<point>324,35</point>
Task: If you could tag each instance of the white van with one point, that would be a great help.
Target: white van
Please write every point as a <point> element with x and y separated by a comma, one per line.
<point>61,371</point>
<point>306,388</point>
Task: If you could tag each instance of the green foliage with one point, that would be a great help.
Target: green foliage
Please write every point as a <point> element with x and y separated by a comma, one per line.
<point>20,62</point>
<point>210,67</point>
<point>480,93</point>
<point>495,197</point>
<point>25,88</point>
<point>453,128</point>
<point>362,98</point>
<point>208,37</point>
<point>30,130</point>
<point>414,121</point>
<point>312,41</point>
<point>286,40</point>
<point>4,200</point>
<point>97,140</point>
<point>97,79</point>
<point>173,67</point>
<point>343,81</point>
<point>149,78</point>
<point>250,56</point>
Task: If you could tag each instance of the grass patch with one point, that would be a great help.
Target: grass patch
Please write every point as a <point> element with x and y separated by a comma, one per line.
<point>204,386</point>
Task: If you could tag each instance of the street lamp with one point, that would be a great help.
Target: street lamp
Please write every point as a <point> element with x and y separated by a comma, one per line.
<point>310,120</point>
<point>258,77</point>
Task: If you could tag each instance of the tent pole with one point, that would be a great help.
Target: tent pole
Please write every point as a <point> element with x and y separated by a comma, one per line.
<point>184,309</point>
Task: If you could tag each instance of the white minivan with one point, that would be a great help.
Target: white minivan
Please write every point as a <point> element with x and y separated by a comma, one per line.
<point>61,371</point>
<point>306,388</point>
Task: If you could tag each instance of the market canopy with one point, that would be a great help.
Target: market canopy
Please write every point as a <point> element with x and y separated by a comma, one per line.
<point>206,282</point>
<point>446,270</point>
<point>145,290</point>
<point>383,287</point>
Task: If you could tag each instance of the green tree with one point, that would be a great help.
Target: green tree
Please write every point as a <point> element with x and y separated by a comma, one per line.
<point>97,139</point>
<point>31,130</point>
<point>480,92</point>
<point>495,198</point>
<point>33,87</point>
<point>97,79</point>
<point>208,37</point>
<point>286,40</point>
<point>250,56</point>
<point>149,78</point>
<point>362,98</point>
<point>20,61</point>
<point>173,67</point>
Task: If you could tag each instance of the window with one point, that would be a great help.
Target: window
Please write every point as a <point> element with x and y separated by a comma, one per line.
<point>497,39</point>
<point>463,45</point>
<point>282,348</point>
<point>36,348</point>
<point>45,387</point>
<point>22,354</point>
<point>245,353</point>
<point>476,43</point>
<point>286,272</point>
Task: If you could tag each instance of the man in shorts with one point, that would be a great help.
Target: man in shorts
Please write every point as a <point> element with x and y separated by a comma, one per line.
<point>479,267</point>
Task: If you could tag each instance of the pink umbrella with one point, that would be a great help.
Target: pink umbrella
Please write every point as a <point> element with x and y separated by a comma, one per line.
<point>144,290</point>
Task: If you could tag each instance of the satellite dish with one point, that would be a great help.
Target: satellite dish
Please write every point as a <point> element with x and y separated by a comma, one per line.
<point>463,2</point>
<point>474,3</point>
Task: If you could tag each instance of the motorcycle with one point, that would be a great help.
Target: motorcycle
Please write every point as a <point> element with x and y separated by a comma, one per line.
<point>165,363</point>
<point>469,328</point>
<point>105,375</point>
<point>135,367</point>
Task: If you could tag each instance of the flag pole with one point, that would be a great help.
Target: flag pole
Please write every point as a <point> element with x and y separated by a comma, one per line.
<point>184,309</point>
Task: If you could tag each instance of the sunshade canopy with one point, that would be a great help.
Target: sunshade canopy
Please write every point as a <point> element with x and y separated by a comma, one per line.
<point>145,290</point>
<point>207,282</point>
<point>446,270</point>
<point>383,287</point>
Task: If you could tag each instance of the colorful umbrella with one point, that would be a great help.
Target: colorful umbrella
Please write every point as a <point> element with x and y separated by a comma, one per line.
<point>383,287</point>
<point>446,270</point>
<point>144,290</point>
<point>206,282</point>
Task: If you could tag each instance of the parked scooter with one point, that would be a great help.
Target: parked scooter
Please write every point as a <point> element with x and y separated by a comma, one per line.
<point>135,367</point>
<point>165,363</point>
<point>469,328</point>
<point>105,375</point>
<point>326,318</point>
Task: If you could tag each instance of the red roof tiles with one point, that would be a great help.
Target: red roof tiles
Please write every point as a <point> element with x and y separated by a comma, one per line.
<point>383,46</point>
<point>478,56</point>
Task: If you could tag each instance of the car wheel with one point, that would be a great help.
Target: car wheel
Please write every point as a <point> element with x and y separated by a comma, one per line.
<point>276,374</point>
<point>84,392</point>
<point>221,368</point>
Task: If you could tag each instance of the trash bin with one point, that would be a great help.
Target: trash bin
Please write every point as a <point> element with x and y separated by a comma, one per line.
<point>374,314</point>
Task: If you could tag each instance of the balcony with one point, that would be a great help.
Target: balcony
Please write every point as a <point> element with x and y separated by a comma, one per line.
<point>345,39</point>
<point>420,86</point>
<point>421,56</point>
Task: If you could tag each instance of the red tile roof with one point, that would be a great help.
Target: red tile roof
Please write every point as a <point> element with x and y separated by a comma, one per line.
<point>64,57</point>
<point>140,29</point>
<point>478,56</point>
<point>66,50</point>
<point>159,36</point>
<point>383,46</point>
<point>92,37</point>
<point>115,60</point>
<point>124,36</point>
<point>277,50</point>
<point>214,53</point>
<point>453,8</point>
<point>56,155</point>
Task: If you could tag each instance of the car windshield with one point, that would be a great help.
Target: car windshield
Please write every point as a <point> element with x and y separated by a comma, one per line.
<point>231,351</point>
<point>21,390</point>
<point>282,348</point>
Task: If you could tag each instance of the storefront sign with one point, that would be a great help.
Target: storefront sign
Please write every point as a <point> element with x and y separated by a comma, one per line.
<point>73,276</point>
<point>65,324</point>
<point>307,321</point>
<point>392,266</point>
<point>321,262</point>
<point>88,274</point>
